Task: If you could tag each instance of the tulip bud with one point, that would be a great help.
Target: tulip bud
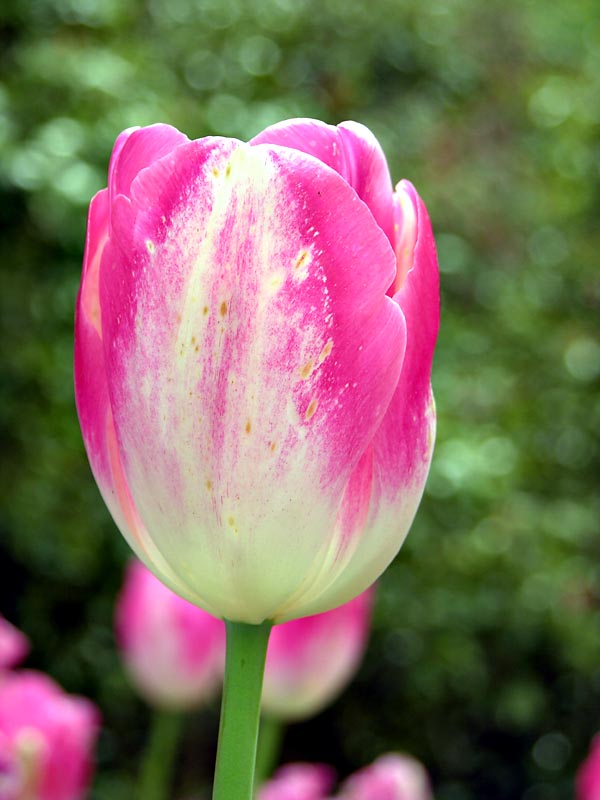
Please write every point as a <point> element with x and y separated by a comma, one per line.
<point>299,782</point>
<point>46,739</point>
<point>587,781</point>
<point>174,652</point>
<point>255,330</point>
<point>311,660</point>
<point>390,777</point>
<point>14,645</point>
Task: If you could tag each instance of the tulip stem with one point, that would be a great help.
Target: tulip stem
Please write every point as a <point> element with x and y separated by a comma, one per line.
<point>157,766</point>
<point>240,710</point>
<point>269,747</point>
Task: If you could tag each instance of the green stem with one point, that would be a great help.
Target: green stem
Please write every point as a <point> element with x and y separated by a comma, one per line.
<point>157,766</point>
<point>269,747</point>
<point>240,710</point>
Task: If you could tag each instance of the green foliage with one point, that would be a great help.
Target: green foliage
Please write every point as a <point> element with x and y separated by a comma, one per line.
<point>485,654</point>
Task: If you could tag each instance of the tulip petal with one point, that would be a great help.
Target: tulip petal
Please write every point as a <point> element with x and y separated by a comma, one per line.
<point>351,150</point>
<point>92,399</point>
<point>252,354</point>
<point>137,148</point>
<point>403,445</point>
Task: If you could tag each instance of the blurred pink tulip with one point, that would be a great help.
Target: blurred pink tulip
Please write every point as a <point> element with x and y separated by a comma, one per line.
<point>587,781</point>
<point>311,660</point>
<point>299,782</point>
<point>14,646</point>
<point>47,739</point>
<point>254,336</point>
<point>173,651</point>
<point>390,777</point>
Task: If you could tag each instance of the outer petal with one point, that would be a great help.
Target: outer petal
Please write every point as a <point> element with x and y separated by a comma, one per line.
<point>251,354</point>
<point>137,148</point>
<point>91,395</point>
<point>350,149</point>
<point>403,445</point>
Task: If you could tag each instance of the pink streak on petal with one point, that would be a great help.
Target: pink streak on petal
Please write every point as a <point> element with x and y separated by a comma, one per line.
<point>351,150</point>
<point>136,149</point>
<point>313,344</point>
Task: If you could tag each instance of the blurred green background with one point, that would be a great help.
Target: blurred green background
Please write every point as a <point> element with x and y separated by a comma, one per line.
<point>485,654</point>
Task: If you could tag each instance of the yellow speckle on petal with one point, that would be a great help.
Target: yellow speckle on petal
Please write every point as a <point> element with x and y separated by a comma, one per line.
<point>205,310</point>
<point>307,369</point>
<point>208,484</point>
<point>223,308</point>
<point>150,246</point>
<point>215,172</point>
<point>326,351</point>
<point>248,426</point>
<point>228,170</point>
<point>232,525</point>
<point>272,446</point>
<point>302,263</point>
<point>312,407</point>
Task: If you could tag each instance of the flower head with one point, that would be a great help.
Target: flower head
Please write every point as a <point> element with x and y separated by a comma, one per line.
<point>254,336</point>
<point>46,739</point>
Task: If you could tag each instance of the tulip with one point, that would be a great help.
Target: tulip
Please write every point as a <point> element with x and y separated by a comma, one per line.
<point>46,739</point>
<point>299,782</point>
<point>587,781</point>
<point>254,336</point>
<point>310,660</point>
<point>14,645</point>
<point>174,652</point>
<point>390,777</point>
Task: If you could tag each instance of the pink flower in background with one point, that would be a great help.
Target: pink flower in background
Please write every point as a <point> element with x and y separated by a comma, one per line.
<point>254,336</point>
<point>311,660</point>
<point>14,646</point>
<point>47,738</point>
<point>587,781</point>
<point>299,782</point>
<point>390,777</point>
<point>174,651</point>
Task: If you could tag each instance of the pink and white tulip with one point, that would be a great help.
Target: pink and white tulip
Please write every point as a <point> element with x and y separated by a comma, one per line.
<point>587,781</point>
<point>390,777</point>
<point>14,645</point>
<point>254,336</point>
<point>311,660</point>
<point>174,651</point>
<point>299,782</point>
<point>47,739</point>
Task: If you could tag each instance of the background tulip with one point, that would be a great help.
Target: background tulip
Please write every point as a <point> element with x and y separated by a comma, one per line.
<point>174,652</point>
<point>587,782</point>
<point>46,739</point>
<point>254,335</point>
<point>14,645</point>
<point>310,660</point>
<point>390,777</point>
<point>299,782</point>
